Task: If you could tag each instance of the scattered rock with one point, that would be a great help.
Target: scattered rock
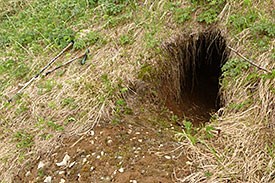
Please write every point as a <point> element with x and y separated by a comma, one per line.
<point>40,165</point>
<point>133,181</point>
<point>92,168</point>
<point>121,170</point>
<point>48,179</point>
<point>62,181</point>
<point>65,161</point>
<point>72,164</point>
<point>28,173</point>
<point>84,160</point>
<point>92,133</point>
<point>61,172</point>
<point>167,157</point>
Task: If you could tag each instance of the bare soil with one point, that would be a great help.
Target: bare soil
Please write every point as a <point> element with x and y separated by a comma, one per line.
<point>131,151</point>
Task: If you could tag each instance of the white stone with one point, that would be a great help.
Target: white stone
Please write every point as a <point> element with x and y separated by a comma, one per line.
<point>167,157</point>
<point>40,165</point>
<point>72,164</point>
<point>121,170</point>
<point>92,133</point>
<point>61,172</point>
<point>48,179</point>
<point>84,160</point>
<point>92,168</point>
<point>28,173</point>
<point>62,181</point>
<point>65,161</point>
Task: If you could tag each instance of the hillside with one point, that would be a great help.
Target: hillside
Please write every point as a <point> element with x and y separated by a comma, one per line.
<point>157,91</point>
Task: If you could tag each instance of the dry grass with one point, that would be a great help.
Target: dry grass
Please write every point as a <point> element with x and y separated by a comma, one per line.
<point>241,153</point>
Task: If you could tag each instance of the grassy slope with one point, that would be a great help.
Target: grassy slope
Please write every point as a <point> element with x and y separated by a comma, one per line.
<point>124,38</point>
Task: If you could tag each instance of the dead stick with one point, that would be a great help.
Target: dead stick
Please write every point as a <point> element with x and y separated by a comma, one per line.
<point>66,63</point>
<point>247,60</point>
<point>42,70</point>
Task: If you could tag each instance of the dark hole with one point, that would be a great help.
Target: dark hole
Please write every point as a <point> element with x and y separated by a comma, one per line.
<point>200,59</point>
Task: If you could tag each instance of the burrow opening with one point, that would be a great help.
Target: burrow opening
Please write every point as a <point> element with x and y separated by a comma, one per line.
<point>192,86</point>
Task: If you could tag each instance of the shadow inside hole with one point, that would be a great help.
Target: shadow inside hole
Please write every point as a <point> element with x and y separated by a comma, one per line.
<point>200,59</point>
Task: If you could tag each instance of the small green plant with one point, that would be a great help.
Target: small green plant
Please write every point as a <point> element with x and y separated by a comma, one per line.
<point>242,21</point>
<point>56,127</point>
<point>208,131</point>
<point>183,14</point>
<point>209,16</point>
<point>211,9</point>
<point>24,140</point>
<point>125,39</point>
<point>234,67</point>
<point>239,106</point>
<point>69,101</point>
<point>264,27</point>
<point>88,39</point>
<point>145,71</point>
<point>46,136</point>
<point>188,133</point>
<point>46,86</point>
<point>45,124</point>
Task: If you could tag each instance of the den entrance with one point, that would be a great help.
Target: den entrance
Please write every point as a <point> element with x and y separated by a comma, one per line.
<point>197,62</point>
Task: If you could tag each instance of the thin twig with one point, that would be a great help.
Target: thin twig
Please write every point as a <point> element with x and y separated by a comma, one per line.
<point>42,70</point>
<point>249,61</point>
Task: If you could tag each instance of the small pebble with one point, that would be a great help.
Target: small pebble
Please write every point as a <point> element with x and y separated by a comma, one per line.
<point>84,160</point>
<point>121,170</point>
<point>167,157</point>
<point>72,164</point>
<point>140,140</point>
<point>65,161</point>
<point>61,172</point>
<point>133,181</point>
<point>92,133</point>
<point>137,133</point>
<point>102,153</point>
<point>92,168</point>
<point>40,165</point>
<point>48,179</point>
<point>62,181</point>
<point>115,172</point>
<point>109,141</point>
<point>119,157</point>
<point>28,173</point>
